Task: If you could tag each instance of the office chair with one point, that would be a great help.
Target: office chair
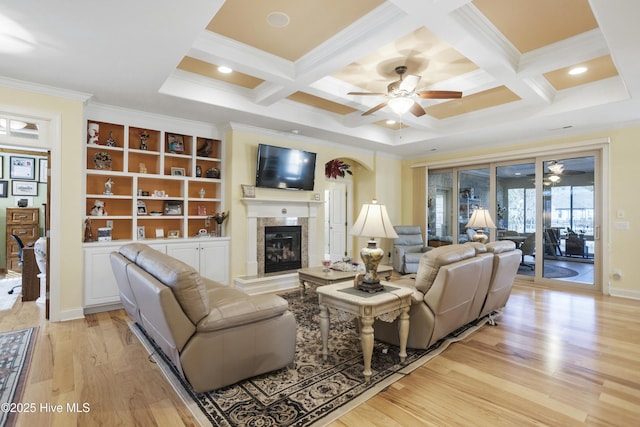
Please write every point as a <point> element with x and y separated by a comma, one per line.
<point>20,259</point>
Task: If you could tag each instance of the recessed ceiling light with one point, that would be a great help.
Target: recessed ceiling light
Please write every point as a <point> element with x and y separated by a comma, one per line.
<point>577,70</point>
<point>278,19</point>
<point>295,131</point>
<point>391,122</point>
<point>224,70</point>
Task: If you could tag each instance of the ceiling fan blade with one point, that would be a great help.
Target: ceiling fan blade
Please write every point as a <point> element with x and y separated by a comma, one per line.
<point>410,83</point>
<point>417,110</point>
<point>374,109</point>
<point>439,94</point>
<point>366,93</point>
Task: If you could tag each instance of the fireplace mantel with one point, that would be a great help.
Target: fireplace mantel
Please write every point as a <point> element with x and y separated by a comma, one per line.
<point>276,208</point>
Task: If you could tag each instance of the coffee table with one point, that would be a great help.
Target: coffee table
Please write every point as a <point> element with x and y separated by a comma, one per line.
<point>316,276</point>
<point>387,306</point>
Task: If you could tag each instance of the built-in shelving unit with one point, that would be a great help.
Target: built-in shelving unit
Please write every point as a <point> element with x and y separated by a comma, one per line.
<point>159,179</point>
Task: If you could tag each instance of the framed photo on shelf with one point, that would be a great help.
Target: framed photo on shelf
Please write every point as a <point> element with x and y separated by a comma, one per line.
<point>4,187</point>
<point>177,171</point>
<point>173,207</point>
<point>159,233</point>
<point>24,188</point>
<point>43,166</point>
<point>173,234</point>
<point>22,167</point>
<point>141,234</point>
<point>175,143</point>
<point>248,191</point>
<point>142,208</point>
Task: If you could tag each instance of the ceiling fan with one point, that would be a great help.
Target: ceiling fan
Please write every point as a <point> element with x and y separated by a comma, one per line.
<point>401,94</point>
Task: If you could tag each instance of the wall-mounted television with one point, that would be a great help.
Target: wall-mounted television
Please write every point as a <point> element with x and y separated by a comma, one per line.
<point>285,168</point>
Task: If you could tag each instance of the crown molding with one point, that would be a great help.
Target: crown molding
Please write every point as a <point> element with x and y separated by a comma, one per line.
<point>44,90</point>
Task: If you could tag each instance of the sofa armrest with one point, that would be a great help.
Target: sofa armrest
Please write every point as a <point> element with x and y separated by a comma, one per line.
<point>230,307</point>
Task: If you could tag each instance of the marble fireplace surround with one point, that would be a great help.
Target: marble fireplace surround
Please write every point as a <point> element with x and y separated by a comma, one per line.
<point>268,212</point>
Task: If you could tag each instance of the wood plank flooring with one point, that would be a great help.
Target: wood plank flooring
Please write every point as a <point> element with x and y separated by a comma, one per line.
<point>556,358</point>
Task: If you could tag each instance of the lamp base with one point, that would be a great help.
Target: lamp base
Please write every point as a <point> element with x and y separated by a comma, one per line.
<point>371,257</point>
<point>480,237</point>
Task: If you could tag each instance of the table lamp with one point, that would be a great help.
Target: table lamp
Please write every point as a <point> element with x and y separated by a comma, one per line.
<point>372,222</point>
<point>480,219</point>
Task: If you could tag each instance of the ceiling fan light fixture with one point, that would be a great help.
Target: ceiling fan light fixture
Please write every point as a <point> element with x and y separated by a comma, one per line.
<point>400,105</point>
<point>556,168</point>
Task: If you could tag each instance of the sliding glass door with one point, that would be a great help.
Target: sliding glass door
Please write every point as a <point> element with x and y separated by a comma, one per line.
<point>548,206</point>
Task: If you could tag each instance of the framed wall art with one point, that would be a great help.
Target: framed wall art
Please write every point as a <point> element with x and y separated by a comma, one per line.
<point>4,187</point>
<point>175,143</point>
<point>24,188</point>
<point>43,167</point>
<point>22,167</point>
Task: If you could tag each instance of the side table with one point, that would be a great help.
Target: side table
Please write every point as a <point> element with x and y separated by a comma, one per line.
<point>386,306</point>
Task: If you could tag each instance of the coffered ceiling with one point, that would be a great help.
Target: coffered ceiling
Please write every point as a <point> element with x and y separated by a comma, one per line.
<point>295,62</point>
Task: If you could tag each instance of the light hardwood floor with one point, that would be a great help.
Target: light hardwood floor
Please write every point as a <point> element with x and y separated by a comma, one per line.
<point>556,358</point>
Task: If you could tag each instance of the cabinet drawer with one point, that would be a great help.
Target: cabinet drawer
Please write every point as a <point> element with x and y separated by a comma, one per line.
<point>22,216</point>
<point>28,234</point>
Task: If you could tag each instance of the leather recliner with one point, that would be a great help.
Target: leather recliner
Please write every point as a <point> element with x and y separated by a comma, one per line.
<point>408,248</point>
<point>214,335</point>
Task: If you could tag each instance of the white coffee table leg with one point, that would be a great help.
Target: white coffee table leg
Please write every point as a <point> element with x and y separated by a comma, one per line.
<point>366,340</point>
<point>324,330</point>
<point>403,330</point>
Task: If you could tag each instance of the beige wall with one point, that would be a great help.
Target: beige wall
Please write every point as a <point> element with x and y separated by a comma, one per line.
<point>69,114</point>
<point>624,175</point>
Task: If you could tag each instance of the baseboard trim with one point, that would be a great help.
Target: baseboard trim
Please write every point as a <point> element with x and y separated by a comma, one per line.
<point>624,293</point>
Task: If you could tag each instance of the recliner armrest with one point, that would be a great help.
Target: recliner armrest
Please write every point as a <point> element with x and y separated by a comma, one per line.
<point>230,307</point>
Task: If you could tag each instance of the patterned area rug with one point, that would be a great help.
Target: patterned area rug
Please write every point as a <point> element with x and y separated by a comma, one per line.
<point>15,354</point>
<point>550,271</point>
<point>311,393</point>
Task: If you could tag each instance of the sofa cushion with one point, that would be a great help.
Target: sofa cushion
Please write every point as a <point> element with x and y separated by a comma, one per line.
<point>231,307</point>
<point>185,282</point>
<point>501,246</point>
<point>132,250</point>
<point>431,262</point>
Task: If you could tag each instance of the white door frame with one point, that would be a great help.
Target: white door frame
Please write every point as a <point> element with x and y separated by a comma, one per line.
<point>349,212</point>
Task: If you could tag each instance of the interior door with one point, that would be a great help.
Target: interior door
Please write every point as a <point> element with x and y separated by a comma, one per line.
<point>337,232</point>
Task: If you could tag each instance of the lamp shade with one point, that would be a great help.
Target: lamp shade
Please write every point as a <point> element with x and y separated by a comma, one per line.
<point>373,221</point>
<point>480,219</point>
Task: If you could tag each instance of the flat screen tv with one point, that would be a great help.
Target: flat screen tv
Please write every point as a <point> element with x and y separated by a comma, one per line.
<point>285,168</point>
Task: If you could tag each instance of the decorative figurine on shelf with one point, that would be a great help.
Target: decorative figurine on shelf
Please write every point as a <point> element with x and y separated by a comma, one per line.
<point>107,186</point>
<point>144,135</point>
<point>201,193</point>
<point>92,133</point>
<point>213,173</point>
<point>142,168</point>
<point>88,234</point>
<point>111,142</point>
<point>98,209</point>
<point>205,149</point>
<point>219,218</point>
<point>198,171</point>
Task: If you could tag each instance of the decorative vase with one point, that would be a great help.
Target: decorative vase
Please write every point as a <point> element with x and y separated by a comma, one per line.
<point>218,231</point>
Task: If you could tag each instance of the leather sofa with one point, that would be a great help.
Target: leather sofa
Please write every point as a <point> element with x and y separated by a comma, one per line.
<point>455,285</point>
<point>408,248</point>
<point>214,335</point>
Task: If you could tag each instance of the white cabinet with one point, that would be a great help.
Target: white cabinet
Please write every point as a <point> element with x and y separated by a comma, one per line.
<point>210,258</point>
<point>100,287</point>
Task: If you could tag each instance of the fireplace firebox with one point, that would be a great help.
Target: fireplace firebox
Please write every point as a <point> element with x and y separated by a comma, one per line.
<point>282,248</point>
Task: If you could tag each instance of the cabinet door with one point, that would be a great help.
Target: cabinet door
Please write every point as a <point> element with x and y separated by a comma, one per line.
<point>185,252</point>
<point>214,261</point>
<point>99,282</point>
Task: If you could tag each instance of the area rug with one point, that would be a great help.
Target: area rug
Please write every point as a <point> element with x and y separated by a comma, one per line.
<point>15,355</point>
<point>550,272</point>
<point>313,392</point>
<point>8,300</point>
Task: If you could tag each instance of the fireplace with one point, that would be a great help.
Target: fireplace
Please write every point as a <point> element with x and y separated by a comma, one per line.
<point>282,248</point>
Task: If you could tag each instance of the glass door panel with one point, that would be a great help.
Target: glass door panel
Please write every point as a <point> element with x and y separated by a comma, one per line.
<point>569,219</point>
<point>473,193</point>
<point>440,208</point>
<point>516,210</point>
